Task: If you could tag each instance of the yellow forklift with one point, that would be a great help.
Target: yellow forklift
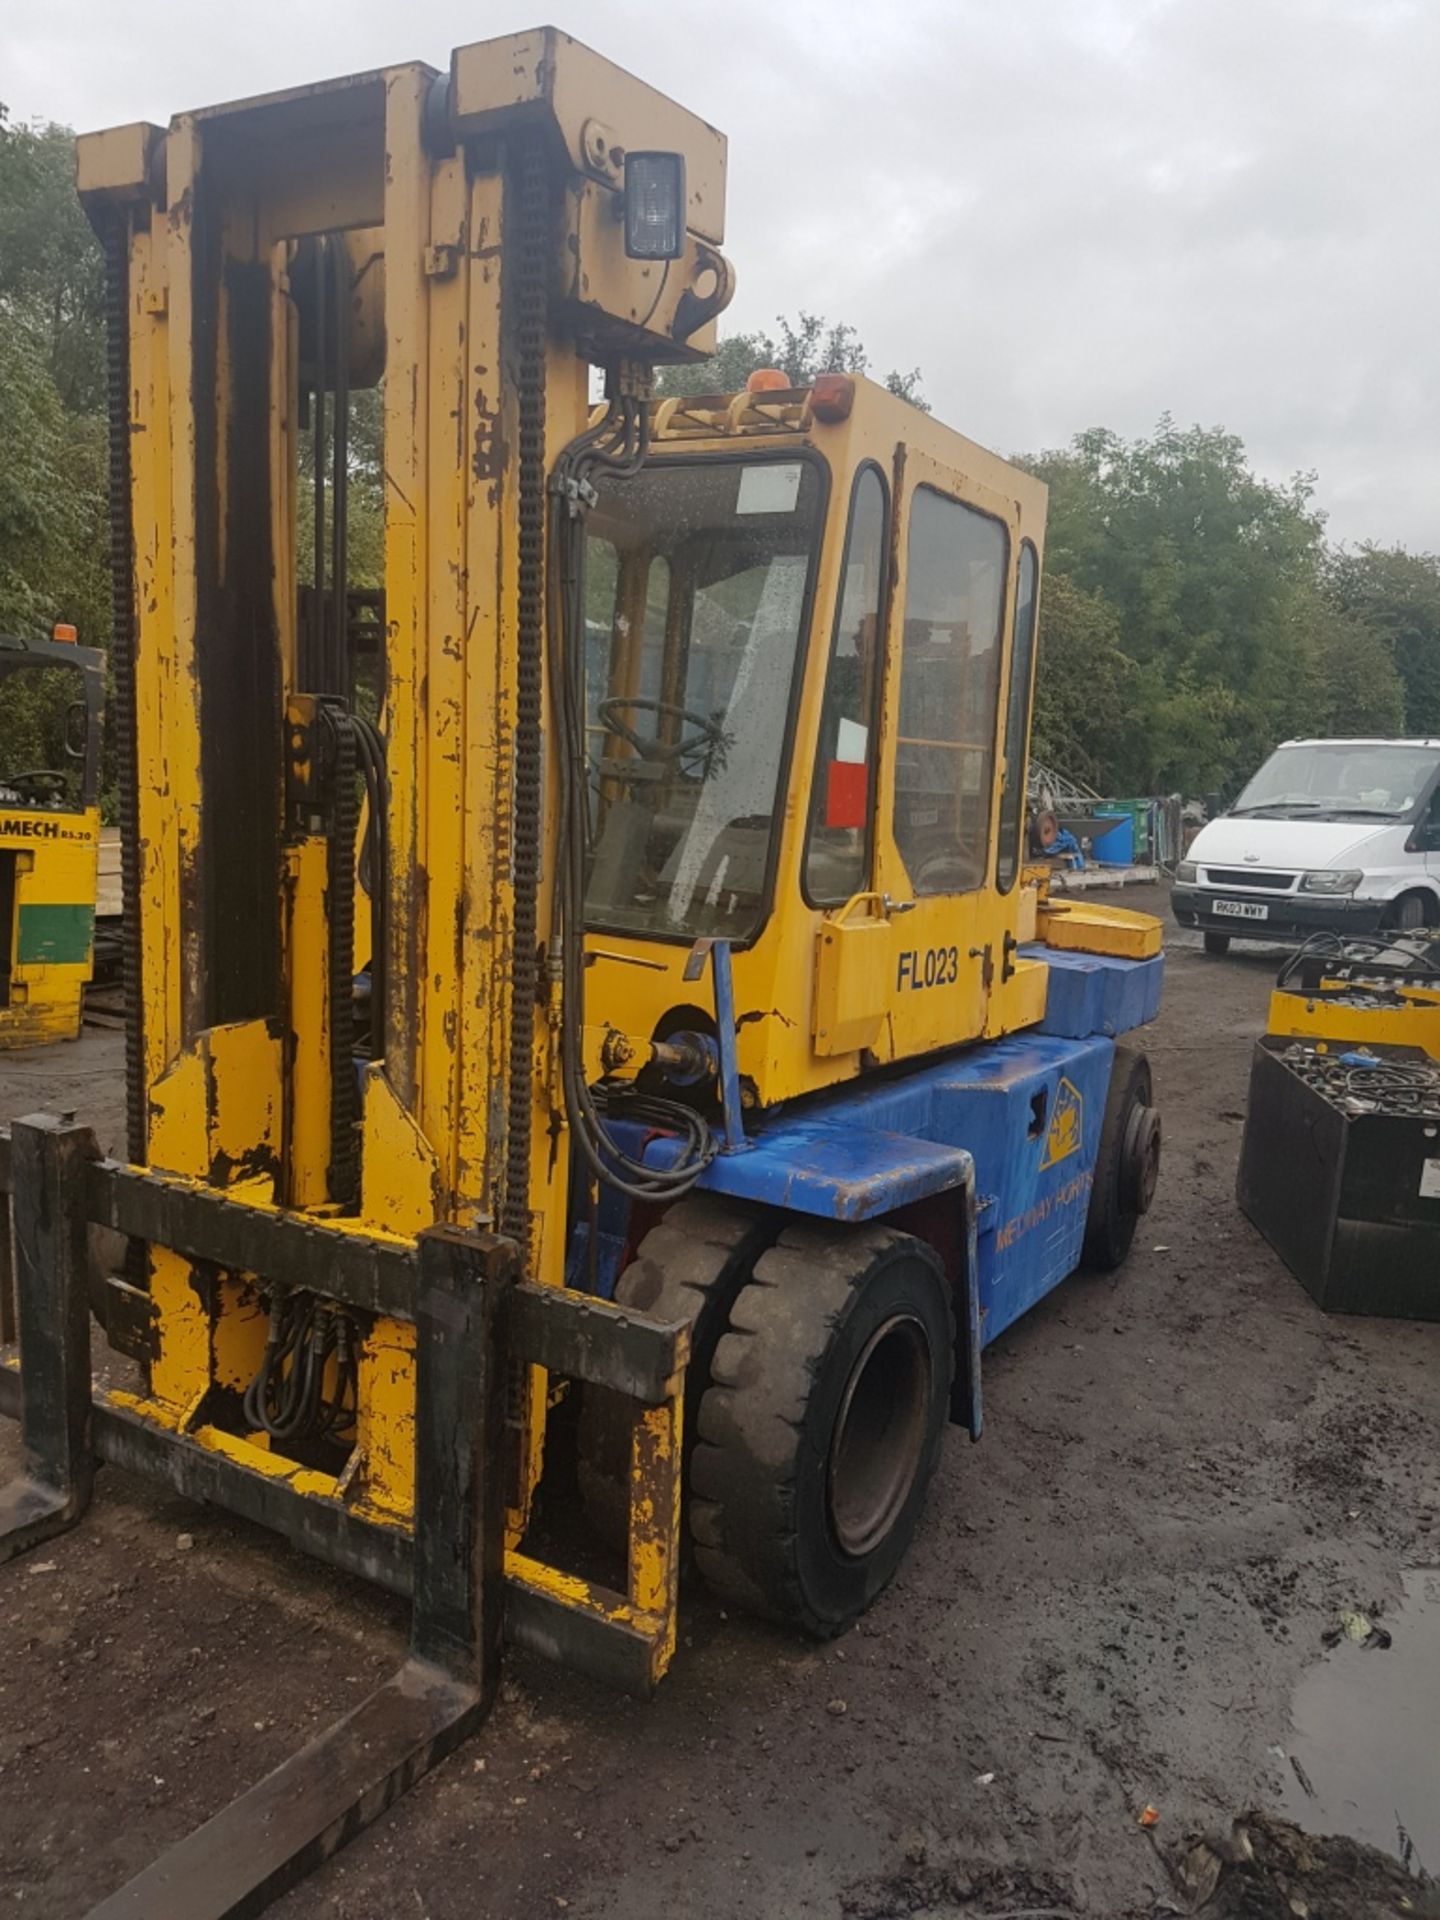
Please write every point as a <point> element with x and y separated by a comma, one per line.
<point>695,1080</point>
<point>52,698</point>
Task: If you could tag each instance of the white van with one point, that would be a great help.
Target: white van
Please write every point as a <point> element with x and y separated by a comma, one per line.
<point>1341,835</point>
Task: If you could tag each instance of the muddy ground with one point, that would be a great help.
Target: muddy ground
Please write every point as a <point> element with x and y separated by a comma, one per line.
<point>1188,1472</point>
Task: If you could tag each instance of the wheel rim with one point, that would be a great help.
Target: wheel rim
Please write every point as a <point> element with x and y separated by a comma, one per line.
<point>879,1435</point>
<point>1141,1163</point>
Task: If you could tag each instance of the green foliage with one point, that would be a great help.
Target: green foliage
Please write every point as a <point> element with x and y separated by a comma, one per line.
<point>1242,628</point>
<point>51,269</point>
<point>1398,595</point>
<point>804,347</point>
<point>1084,684</point>
<point>1201,560</point>
<point>365,523</point>
<point>52,499</point>
<point>53,505</point>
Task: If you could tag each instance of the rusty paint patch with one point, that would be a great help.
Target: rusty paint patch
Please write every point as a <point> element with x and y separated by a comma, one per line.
<point>491,451</point>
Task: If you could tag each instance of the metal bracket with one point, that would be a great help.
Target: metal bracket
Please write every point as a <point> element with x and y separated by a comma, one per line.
<point>442,261</point>
<point>132,1319</point>
<point>723,980</point>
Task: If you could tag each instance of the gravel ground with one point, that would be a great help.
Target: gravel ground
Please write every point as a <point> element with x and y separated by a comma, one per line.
<point>1187,1472</point>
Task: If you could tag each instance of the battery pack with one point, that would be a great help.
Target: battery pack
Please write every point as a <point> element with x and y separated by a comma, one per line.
<point>1340,1170</point>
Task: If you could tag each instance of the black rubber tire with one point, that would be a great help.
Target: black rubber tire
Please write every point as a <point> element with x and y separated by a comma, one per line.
<point>762,1517</point>
<point>689,1267</point>
<point>1407,914</point>
<point>1217,943</point>
<point>1115,1204</point>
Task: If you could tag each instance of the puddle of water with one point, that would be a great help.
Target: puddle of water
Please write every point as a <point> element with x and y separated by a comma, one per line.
<point>1367,1733</point>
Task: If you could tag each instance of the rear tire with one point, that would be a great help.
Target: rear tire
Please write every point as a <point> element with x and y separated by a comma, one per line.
<point>1127,1165</point>
<point>1217,943</point>
<point>818,1437</point>
<point>689,1267</point>
<point>1407,914</point>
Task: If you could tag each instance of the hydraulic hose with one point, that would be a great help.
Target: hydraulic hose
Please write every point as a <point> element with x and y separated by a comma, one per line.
<point>616,446</point>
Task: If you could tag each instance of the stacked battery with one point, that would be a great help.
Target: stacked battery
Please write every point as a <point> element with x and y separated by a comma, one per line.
<point>1340,1170</point>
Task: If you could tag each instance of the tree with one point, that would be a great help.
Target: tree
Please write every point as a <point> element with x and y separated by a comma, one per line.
<point>52,543</point>
<point>807,346</point>
<point>52,500</point>
<point>1083,685</point>
<point>1206,567</point>
<point>1397,595</point>
<point>52,476</point>
<point>51,270</point>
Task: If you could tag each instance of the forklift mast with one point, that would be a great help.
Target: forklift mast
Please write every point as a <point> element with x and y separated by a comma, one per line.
<point>346,1181</point>
<point>463,239</point>
<point>460,237</point>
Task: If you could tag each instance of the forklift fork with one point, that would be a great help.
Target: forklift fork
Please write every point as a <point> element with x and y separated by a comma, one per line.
<point>471,1314</point>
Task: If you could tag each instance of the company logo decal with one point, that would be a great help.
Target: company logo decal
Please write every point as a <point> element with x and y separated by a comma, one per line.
<point>1067,1125</point>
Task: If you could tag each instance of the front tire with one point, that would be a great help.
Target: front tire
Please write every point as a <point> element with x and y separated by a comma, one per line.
<point>1217,943</point>
<point>818,1436</point>
<point>1407,914</point>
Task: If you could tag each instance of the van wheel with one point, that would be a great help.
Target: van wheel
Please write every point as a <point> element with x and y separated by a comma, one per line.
<point>1407,913</point>
<point>1217,943</point>
<point>822,1426</point>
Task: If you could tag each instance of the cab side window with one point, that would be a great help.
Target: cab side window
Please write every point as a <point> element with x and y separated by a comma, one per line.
<point>1017,721</point>
<point>842,794</point>
<point>949,687</point>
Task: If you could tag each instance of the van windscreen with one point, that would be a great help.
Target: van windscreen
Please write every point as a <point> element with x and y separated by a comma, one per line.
<point>1341,777</point>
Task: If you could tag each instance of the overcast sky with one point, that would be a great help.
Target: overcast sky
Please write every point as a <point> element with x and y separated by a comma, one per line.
<point>1068,213</point>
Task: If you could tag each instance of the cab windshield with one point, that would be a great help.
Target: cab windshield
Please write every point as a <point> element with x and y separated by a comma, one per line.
<point>47,760</point>
<point>1340,779</point>
<point>697,577</point>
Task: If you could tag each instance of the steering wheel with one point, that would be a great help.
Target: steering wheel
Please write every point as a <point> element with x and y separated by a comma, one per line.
<point>708,735</point>
<point>46,783</point>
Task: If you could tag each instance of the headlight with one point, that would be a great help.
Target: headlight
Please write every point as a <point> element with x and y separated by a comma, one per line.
<point>654,205</point>
<point>1332,880</point>
<point>1187,873</point>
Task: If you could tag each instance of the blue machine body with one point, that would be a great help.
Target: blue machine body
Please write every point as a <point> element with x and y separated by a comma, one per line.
<point>1008,1129</point>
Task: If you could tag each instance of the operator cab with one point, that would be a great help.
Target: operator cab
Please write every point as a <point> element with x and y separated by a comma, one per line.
<point>809,653</point>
